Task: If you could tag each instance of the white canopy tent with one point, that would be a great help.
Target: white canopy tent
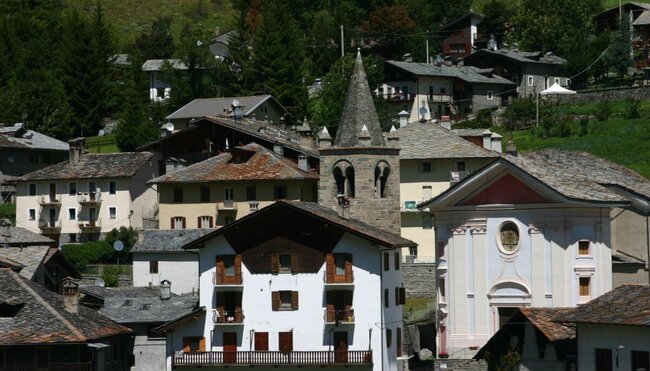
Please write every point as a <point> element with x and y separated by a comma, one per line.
<point>556,89</point>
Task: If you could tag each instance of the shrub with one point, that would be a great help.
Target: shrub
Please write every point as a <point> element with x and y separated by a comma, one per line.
<point>519,114</point>
<point>603,110</point>
<point>584,123</point>
<point>80,255</point>
<point>632,108</point>
<point>127,235</point>
<point>111,276</point>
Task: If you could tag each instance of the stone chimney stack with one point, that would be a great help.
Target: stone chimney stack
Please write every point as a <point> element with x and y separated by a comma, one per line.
<point>70,295</point>
<point>76,149</point>
<point>511,148</point>
<point>403,118</point>
<point>487,140</point>
<point>277,148</point>
<point>303,163</point>
<point>165,290</point>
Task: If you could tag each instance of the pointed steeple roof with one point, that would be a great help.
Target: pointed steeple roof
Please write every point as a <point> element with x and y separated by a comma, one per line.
<point>359,111</point>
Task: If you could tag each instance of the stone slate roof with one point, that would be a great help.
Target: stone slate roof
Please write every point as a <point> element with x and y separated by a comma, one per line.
<point>521,56</point>
<point>358,111</point>
<point>157,311</point>
<point>30,258</point>
<point>95,165</point>
<point>312,209</point>
<point>624,305</point>
<point>158,240</point>
<point>469,74</point>
<point>221,106</point>
<point>432,141</point>
<point>261,164</point>
<point>157,64</point>
<point>580,175</point>
<point>544,320</point>
<point>17,236</point>
<point>43,318</point>
<point>621,257</point>
<point>20,138</point>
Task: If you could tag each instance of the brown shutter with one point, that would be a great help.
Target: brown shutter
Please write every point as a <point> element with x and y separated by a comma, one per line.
<point>186,345</point>
<point>221,299</point>
<point>261,341</point>
<point>202,345</point>
<point>220,270</point>
<point>286,341</point>
<point>238,269</point>
<point>294,300</point>
<point>397,261</point>
<point>275,263</point>
<point>171,223</point>
<point>386,261</point>
<point>396,296</point>
<point>294,263</point>
<point>398,340</point>
<point>198,222</point>
<point>329,267</point>
<point>239,316</point>
<point>348,299</point>
<point>275,300</point>
<point>402,295</point>
<point>329,300</point>
<point>348,268</point>
<point>184,225</point>
<point>386,302</point>
<point>211,222</point>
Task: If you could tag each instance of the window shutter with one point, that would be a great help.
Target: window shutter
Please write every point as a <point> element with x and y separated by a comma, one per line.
<point>402,295</point>
<point>211,222</point>
<point>286,341</point>
<point>171,223</point>
<point>329,267</point>
<point>198,222</point>
<point>238,269</point>
<point>348,268</point>
<point>239,316</point>
<point>202,344</point>
<point>398,340</point>
<point>329,299</point>
<point>294,263</point>
<point>275,300</point>
<point>386,261</point>
<point>220,269</point>
<point>261,341</point>
<point>184,226</point>
<point>396,296</point>
<point>220,305</point>
<point>348,299</point>
<point>389,337</point>
<point>386,303</point>
<point>397,261</point>
<point>275,263</point>
<point>294,300</point>
<point>186,345</point>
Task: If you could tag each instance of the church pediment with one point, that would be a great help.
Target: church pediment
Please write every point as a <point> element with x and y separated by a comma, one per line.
<point>506,190</point>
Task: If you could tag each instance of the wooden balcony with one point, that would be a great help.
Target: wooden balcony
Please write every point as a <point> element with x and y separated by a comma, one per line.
<point>49,226</point>
<point>79,366</point>
<point>228,317</point>
<point>49,200</point>
<point>90,225</point>
<point>336,316</point>
<point>89,198</point>
<point>227,205</point>
<point>275,358</point>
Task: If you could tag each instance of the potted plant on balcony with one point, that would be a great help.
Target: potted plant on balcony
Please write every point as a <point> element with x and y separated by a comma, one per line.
<point>443,355</point>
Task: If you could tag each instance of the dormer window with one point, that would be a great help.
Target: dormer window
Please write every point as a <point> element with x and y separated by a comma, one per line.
<point>10,307</point>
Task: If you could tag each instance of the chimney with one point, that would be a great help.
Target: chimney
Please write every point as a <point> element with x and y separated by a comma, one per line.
<point>487,140</point>
<point>277,148</point>
<point>403,118</point>
<point>511,148</point>
<point>324,138</point>
<point>70,295</point>
<point>76,150</point>
<point>165,290</point>
<point>303,164</point>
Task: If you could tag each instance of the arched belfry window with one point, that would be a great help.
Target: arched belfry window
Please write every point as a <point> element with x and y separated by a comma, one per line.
<point>344,177</point>
<point>382,171</point>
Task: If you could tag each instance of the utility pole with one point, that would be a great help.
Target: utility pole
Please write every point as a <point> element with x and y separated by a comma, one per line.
<point>342,43</point>
<point>426,35</point>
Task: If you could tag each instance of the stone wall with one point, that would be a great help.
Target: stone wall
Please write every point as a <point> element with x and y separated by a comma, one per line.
<point>459,364</point>
<point>641,92</point>
<point>419,280</point>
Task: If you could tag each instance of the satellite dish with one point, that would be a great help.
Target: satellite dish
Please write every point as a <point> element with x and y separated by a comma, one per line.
<point>99,282</point>
<point>423,111</point>
<point>169,126</point>
<point>235,102</point>
<point>118,245</point>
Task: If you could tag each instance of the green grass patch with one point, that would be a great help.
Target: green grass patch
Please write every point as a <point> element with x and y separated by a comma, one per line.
<point>105,144</point>
<point>8,211</point>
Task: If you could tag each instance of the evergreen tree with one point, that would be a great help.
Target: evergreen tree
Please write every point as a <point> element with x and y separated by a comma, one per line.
<point>239,46</point>
<point>618,56</point>
<point>158,43</point>
<point>278,58</point>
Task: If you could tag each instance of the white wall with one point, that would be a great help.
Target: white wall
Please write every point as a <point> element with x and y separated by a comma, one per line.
<point>149,353</point>
<point>180,268</point>
<point>591,337</point>
<point>307,323</point>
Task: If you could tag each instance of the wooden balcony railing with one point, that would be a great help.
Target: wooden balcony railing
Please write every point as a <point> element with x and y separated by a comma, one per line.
<point>275,358</point>
<point>228,317</point>
<point>79,366</point>
<point>89,197</point>
<point>339,316</point>
<point>330,278</point>
<point>50,199</point>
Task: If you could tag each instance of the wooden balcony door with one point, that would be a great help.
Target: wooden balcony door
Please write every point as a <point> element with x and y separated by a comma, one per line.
<point>52,217</point>
<point>341,347</point>
<point>230,347</point>
<point>339,268</point>
<point>339,304</point>
<point>228,269</point>
<point>229,307</point>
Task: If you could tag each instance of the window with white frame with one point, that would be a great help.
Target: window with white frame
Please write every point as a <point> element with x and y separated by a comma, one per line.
<point>112,212</point>
<point>583,248</point>
<point>205,221</point>
<point>531,80</point>
<point>490,95</point>
<point>178,222</point>
<point>584,289</point>
<point>32,214</point>
<point>72,214</point>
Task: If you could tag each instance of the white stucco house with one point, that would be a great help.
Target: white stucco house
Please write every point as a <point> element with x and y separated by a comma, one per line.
<point>159,89</point>
<point>613,330</point>
<point>293,284</point>
<point>529,230</point>
<point>89,195</point>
